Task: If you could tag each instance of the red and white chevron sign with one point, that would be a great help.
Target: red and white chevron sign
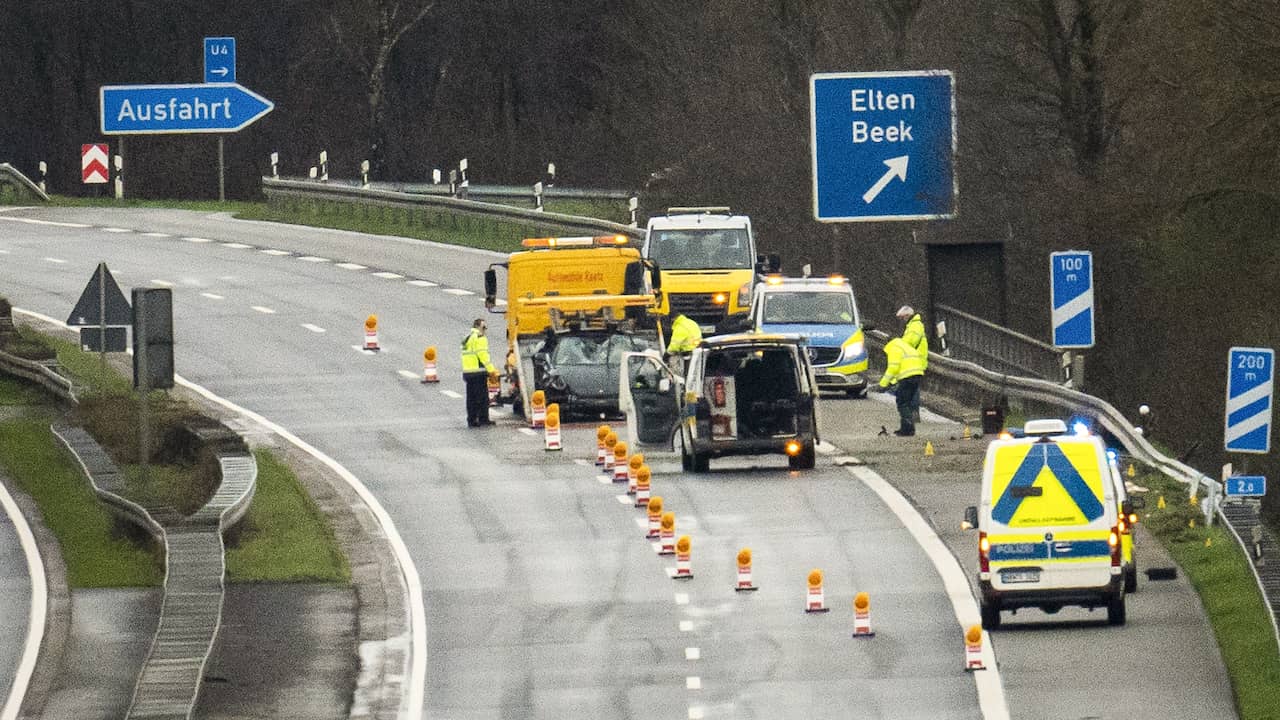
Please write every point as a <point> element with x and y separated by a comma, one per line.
<point>93,163</point>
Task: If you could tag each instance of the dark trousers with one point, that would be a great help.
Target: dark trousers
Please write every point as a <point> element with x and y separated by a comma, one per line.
<point>477,397</point>
<point>908,396</point>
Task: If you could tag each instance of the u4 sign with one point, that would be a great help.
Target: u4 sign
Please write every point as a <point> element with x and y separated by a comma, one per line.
<point>883,145</point>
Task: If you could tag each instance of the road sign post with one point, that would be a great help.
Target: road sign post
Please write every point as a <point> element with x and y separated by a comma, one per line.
<point>1250,381</point>
<point>1071,284</point>
<point>883,145</point>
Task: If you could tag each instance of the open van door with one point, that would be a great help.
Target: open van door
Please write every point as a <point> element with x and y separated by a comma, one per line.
<point>648,394</point>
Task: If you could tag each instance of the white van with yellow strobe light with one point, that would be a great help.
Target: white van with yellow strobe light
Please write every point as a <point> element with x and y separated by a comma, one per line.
<point>1048,523</point>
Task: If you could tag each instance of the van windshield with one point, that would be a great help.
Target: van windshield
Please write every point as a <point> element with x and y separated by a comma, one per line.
<point>701,249</point>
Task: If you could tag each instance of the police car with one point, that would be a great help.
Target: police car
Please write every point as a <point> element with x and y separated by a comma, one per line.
<point>1049,524</point>
<point>824,312</point>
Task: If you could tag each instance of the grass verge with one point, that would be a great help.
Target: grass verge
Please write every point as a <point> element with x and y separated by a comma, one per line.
<point>96,552</point>
<point>284,537</point>
<point>1222,576</point>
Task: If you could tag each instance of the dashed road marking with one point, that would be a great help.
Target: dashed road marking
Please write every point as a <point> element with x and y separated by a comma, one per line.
<point>686,626</point>
<point>59,261</point>
<point>452,394</point>
<point>388,275</point>
<point>162,283</point>
<point>156,234</point>
<point>313,259</point>
<point>4,252</point>
<point>696,713</point>
<point>692,653</point>
<point>604,479</point>
<point>641,522</point>
<point>693,682</point>
<point>529,431</point>
<point>313,328</point>
<point>236,246</point>
<point>197,240</point>
<point>349,266</point>
<point>31,221</point>
<point>682,598</point>
<point>422,283</point>
<point>212,296</point>
<point>264,310</point>
<point>625,500</point>
<point>277,253</point>
<point>410,375</point>
<point>457,291</point>
<point>583,462</point>
<point>116,230</point>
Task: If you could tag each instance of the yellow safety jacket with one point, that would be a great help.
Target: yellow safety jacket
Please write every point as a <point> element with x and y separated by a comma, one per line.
<point>685,335</point>
<point>914,336</point>
<point>475,353</point>
<point>903,362</point>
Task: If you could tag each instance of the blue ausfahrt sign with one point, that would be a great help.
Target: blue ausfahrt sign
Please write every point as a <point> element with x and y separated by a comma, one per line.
<point>219,59</point>
<point>883,145</point>
<point>1071,298</point>
<point>154,109</point>
<point>1250,379</point>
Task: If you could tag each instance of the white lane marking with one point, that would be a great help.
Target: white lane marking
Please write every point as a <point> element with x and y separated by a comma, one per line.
<point>407,374</point>
<point>368,351</point>
<point>604,479</point>
<point>59,261</point>
<point>686,626</point>
<point>641,522</point>
<point>583,462</point>
<point>30,221</point>
<point>236,246</point>
<point>422,283</point>
<point>197,240</point>
<point>452,394</point>
<point>926,414</point>
<point>116,230</point>
<point>4,252</point>
<point>263,310</point>
<point>692,653</point>
<point>313,259</point>
<point>350,266</point>
<point>212,296</point>
<point>529,431</point>
<point>35,614</point>
<point>313,328</point>
<point>164,283</point>
<point>682,598</point>
<point>156,234</point>
<point>693,682</point>
<point>625,500</point>
<point>16,208</point>
<point>499,301</point>
<point>458,291</point>
<point>388,275</point>
<point>825,447</point>
<point>991,697</point>
<point>696,713</point>
<point>276,253</point>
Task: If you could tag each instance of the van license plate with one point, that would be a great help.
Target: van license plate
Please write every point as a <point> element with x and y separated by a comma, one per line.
<point>1019,576</point>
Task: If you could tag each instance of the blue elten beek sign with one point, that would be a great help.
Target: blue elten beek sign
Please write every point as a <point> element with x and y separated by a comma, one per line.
<point>207,108</point>
<point>1250,380</point>
<point>1071,290</point>
<point>883,145</point>
<point>219,59</point>
<point>1245,486</point>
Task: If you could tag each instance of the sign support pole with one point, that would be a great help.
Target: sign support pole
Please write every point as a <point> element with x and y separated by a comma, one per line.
<point>222,173</point>
<point>144,387</point>
<point>102,323</point>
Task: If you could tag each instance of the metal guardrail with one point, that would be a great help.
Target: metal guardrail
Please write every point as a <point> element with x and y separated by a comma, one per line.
<point>971,338</point>
<point>10,175</point>
<point>487,192</point>
<point>976,386</point>
<point>41,373</point>
<point>319,194</point>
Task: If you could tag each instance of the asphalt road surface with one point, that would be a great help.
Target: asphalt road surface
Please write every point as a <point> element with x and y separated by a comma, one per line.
<point>542,597</point>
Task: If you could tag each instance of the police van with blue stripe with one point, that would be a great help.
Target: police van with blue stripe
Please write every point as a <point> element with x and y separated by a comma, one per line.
<point>1049,525</point>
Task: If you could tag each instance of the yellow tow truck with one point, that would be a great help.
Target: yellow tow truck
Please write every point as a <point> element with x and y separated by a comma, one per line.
<point>573,306</point>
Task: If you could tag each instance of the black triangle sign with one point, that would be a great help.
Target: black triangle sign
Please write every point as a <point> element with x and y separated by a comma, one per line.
<point>88,310</point>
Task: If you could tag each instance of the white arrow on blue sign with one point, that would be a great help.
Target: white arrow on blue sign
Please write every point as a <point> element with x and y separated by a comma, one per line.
<point>883,145</point>
<point>154,109</point>
<point>219,59</point>
<point>1071,290</point>
<point>1250,379</point>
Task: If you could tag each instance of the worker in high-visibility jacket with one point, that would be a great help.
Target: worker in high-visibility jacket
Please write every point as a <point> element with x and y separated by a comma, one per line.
<point>476,368</point>
<point>904,368</point>
<point>685,336</point>
<point>913,332</point>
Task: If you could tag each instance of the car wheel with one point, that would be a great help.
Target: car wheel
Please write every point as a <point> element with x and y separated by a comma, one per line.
<point>804,460</point>
<point>990,616</point>
<point>1131,578</point>
<point>1115,609</point>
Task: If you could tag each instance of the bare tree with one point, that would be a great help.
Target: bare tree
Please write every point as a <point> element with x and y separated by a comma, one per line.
<point>366,32</point>
<point>898,16</point>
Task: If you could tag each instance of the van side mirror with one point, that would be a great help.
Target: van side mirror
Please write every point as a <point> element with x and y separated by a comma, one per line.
<point>490,287</point>
<point>970,518</point>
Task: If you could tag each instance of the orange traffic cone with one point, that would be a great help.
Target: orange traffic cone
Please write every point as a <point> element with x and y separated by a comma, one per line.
<point>633,465</point>
<point>667,534</point>
<point>429,374</point>
<point>744,571</point>
<point>551,430</point>
<point>620,462</point>
<point>642,486</point>
<point>814,602</point>
<point>537,409</point>
<point>684,569</point>
<point>655,518</point>
<point>602,432</point>
<point>371,333</point>
<point>610,441</point>
<point>862,615</point>
<point>973,648</point>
